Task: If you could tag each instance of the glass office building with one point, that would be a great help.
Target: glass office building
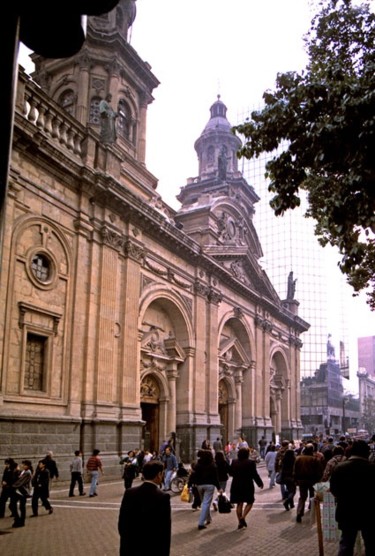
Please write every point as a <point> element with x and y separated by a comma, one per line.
<point>289,244</point>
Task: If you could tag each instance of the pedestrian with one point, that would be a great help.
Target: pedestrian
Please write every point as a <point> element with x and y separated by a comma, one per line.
<point>337,457</point>
<point>20,493</point>
<point>170,466</point>
<point>10,475</point>
<point>40,482</point>
<point>217,445</point>
<point>232,453</point>
<point>146,508</point>
<point>94,466</point>
<point>193,487</point>
<point>244,473</point>
<point>206,479</point>
<point>269,459</point>
<point>241,443</point>
<point>223,474</point>
<point>130,470</point>
<point>287,478</point>
<point>352,482</point>
<point>262,447</point>
<point>76,470</point>
<point>206,444</point>
<point>280,452</point>
<point>253,454</point>
<point>307,471</point>
<point>51,466</point>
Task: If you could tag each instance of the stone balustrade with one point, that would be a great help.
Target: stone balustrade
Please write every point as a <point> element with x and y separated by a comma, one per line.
<point>49,117</point>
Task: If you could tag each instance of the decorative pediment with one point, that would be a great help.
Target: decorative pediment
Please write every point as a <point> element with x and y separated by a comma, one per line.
<point>231,352</point>
<point>174,350</point>
<point>277,380</point>
<point>153,342</point>
<point>157,350</point>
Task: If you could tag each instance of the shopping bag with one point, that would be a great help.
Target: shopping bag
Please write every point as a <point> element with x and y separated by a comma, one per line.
<point>185,494</point>
<point>320,489</point>
<point>223,504</point>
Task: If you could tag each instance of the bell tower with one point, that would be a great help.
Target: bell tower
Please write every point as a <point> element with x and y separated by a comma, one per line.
<point>217,146</point>
<point>106,63</point>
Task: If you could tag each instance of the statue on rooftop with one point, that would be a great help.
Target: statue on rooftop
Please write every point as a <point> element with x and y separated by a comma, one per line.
<point>107,121</point>
<point>291,286</point>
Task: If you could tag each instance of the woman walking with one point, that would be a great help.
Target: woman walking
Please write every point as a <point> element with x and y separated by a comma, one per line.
<point>20,493</point>
<point>206,479</point>
<point>244,473</point>
<point>223,474</point>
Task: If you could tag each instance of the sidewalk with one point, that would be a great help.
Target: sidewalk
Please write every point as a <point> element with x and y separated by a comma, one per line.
<point>83,525</point>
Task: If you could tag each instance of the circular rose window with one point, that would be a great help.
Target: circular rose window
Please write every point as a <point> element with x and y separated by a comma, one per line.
<point>41,269</point>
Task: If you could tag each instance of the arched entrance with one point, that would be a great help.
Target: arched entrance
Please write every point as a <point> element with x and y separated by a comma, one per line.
<point>164,369</point>
<point>234,363</point>
<point>150,393</point>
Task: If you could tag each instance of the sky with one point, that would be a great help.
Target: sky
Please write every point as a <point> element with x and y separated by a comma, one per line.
<point>199,49</point>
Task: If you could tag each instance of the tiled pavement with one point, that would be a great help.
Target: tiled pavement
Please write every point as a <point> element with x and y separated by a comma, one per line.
<point>88,526</point>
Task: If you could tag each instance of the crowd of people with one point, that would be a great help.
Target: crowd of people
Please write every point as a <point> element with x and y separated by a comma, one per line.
<point>21,482</point>
<point>345,467</point>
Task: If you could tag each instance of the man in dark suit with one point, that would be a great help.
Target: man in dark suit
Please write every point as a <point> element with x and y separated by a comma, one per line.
<point>146,508</point>
<point>353,484</point>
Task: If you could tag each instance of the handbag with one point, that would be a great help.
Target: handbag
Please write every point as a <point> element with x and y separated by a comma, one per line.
<point>223,504</point>
<point>185,494</point>
<point>278,478</point>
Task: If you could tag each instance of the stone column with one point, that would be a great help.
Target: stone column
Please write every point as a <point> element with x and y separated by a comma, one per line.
<point>141,144</point>
<point>129,371</point>
<point>238,379</point>
<point>199,392</point>
<point>212,357</point>
<point>107,317</point>
<point>278,412</point>
<point>83,89</point>
<point>80,322</point>
<point>114,84</point>
<point>172,375</point>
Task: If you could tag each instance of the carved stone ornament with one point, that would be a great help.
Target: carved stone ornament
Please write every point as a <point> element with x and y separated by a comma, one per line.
<point>199,288</point>
<point>112,238</point>
<point>134,251</point>
<point>238,313</point>
<point>214,296</point>
<point>149,389</point>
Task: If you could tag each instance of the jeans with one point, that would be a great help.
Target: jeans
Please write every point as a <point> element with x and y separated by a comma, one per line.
<point>206,493</point>
<point>167,479</point>
<point>284,494</point>
<point>94,480</point>
<point>272,476</point>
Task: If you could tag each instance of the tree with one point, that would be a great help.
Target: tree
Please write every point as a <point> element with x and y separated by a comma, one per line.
<point>323,123</point>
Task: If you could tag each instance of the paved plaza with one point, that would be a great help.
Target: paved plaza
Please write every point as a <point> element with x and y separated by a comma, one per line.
<point>88,526</point>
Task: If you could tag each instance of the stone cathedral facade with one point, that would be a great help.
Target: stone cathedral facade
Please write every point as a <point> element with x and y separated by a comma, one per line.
<point>123,321</point>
